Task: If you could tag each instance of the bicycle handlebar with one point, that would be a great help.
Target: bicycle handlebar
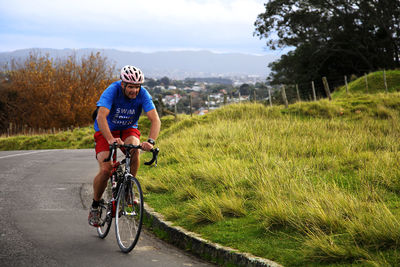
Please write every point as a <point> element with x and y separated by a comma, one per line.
<point>114,146</point>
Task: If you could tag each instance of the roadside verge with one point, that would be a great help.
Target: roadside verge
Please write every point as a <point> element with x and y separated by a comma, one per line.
<point>189,241</point>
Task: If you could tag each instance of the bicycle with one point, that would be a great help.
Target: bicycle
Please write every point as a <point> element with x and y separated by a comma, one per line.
<point>126,202</point>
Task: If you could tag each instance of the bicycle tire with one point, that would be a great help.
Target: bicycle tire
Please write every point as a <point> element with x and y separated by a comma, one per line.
<point>105,220</point>
<point>129,214</point>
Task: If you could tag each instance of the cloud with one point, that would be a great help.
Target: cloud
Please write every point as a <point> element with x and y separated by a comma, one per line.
<point>126,10</point>
<point>120,22</point>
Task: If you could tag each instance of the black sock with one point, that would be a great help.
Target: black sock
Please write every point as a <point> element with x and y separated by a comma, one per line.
<point>95,204</point>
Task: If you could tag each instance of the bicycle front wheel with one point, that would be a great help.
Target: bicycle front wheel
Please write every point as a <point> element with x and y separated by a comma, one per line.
<point>105,219</point>
<point>129,214</point>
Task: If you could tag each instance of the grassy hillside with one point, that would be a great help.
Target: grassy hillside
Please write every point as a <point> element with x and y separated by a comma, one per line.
<point>316,183</point>
<point>375,82</point>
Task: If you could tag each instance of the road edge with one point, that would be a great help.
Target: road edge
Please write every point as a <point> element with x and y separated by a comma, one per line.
<point>198,246</point>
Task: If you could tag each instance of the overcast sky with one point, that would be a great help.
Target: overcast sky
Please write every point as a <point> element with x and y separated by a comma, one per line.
<point>132,25</point>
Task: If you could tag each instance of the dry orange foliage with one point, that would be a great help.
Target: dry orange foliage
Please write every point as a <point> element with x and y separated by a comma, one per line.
<point>46,93</point>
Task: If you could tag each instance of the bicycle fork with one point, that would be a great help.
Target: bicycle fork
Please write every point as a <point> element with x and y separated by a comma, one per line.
<point>130,201</point>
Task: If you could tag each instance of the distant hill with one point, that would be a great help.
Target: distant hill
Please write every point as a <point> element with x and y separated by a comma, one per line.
<point>174,64</point>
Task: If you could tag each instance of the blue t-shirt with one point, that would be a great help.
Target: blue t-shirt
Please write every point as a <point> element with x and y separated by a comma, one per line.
<point>124,112</point>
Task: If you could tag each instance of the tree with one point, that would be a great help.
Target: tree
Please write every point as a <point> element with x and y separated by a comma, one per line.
<point>165,81</point>
<point>245,89</point>
<point>42,92</point>
<point>189,82</point>
<point>150,82</point>
<point>330,37</point>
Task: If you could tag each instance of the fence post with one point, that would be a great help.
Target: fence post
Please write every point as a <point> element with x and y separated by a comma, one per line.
<point>284,96</point>
<point>191,113</point>
<point>208,102</point>
<point>239,98</point>
<point>255,97</point>
<point>366,82</point>
<point>298,93</point>
<point>384,80</point>
<point>313,91</point>
<point>225,99</point>
<point>326,86</point>
<point>269,97</point>
<point>345,82</point>
<point>176,105</point>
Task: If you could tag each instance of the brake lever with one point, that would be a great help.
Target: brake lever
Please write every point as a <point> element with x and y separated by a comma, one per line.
<point>112,148</point>
<point>155,156</point>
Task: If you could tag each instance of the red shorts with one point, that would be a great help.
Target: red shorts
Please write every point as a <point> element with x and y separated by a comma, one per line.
<point>102,144</point>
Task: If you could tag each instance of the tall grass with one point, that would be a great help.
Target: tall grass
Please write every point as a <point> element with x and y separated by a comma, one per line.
<point>329,181</point>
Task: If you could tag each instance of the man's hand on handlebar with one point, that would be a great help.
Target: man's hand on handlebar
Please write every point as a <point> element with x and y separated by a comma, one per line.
<point>146,146</point>
<point>115,140</point>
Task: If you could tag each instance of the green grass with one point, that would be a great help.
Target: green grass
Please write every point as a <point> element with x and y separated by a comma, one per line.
<point>317,183</point>
<point>354,107</point>
<point>77,138</point>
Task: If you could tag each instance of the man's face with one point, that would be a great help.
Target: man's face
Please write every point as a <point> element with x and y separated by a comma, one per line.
<point>132,90</point>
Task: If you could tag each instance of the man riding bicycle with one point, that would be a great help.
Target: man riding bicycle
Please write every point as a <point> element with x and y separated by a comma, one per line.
<point>119,109</point>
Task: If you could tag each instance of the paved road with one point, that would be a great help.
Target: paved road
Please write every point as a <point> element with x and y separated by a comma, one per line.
<point>44,216</point>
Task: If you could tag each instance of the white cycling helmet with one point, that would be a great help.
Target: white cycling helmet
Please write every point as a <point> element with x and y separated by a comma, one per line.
<point>131,74</point>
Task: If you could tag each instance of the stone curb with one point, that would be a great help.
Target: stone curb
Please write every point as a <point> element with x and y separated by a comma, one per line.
<point>198,246</point>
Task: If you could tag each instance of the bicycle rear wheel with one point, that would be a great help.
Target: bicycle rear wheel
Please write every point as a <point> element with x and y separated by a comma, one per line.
<point>129,214</point>
<point>105,219</point>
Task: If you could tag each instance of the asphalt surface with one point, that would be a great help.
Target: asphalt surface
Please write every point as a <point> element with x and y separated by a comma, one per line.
<point>44,216</point>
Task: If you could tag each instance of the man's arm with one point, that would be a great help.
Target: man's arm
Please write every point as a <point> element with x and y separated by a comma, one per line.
<point>103,126</point>
<point>154,128</point>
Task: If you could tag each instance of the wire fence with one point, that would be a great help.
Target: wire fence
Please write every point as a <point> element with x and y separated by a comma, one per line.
<point>324,87</point>
<point>284,94</point>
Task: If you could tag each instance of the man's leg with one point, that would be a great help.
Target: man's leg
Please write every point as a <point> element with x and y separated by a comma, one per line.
<point>135,159</point>
<point>99,185</point>
<point>101,179</point>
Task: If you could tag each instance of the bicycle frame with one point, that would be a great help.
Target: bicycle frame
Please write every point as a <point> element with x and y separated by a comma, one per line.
<point>126,202</point>
<point>122,178</point>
